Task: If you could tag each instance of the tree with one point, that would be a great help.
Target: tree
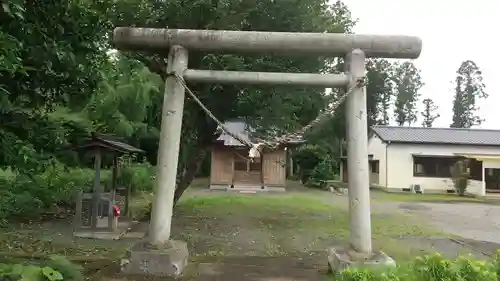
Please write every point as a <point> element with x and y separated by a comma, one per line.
<point>469,88</point>
<point>51,57</point>
<point>429,113</point>
<point>408,82</point>
<point>276,109</point>
<point>379,90</point>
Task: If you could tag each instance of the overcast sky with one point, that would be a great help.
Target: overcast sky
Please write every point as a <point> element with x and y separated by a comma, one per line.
<point>452,31</point>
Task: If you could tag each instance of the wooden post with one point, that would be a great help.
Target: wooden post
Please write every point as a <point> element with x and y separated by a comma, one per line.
<point>262,183</point>
<point>96,191</point>
<point>112,220</point>
<point>128,192</point>
<point>77,219</point>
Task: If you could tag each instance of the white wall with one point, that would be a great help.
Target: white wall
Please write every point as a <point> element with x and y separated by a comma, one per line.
<point>400,163</point>
<point>377,148</point>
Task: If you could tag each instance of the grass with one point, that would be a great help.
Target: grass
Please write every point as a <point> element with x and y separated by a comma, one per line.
<point>383,196</point>
<point>283,225</point>
<point>227,226</point>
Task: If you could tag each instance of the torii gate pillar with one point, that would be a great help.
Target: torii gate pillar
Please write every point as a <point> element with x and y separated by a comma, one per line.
<point>162,256</point>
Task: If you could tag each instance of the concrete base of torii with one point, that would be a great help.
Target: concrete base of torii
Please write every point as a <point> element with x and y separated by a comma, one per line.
<point>340,258</point>
<point>143,259</point>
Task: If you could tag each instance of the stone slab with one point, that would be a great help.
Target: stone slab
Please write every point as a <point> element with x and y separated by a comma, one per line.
<point>340,258</point>
<point>219,186</point>
<point>169,261</point>
<point>104,234</point>
<point>101,235</point>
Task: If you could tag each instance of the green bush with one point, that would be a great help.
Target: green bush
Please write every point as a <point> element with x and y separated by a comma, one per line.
<point>69,270</point>
<point>429,268</point>
<point>460,174</point>
<point>139,176</point>
<point>27,196</point>
<point>308,157</point>
<point>57,268</point>
<point>324,170</point>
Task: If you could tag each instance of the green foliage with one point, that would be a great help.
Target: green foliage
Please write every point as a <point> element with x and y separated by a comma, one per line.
<point>429,268</point>
<point>469,89</point>
<point>408,83</point>
<point>69,270</point>
<point>139,176</point>
<point>323,170</point>
<point>56,268</point>
<point>460,175</point>
<point>429,113</point>
<point>27,195</point>
<point>314,163</point>
<point>16,272</point>
<point>24,196</point>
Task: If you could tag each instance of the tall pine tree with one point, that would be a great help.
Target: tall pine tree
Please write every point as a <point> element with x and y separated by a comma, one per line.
<point>429,113</point>
<point>380,90</point>
<point>469,88</point>
<point>408,83</point>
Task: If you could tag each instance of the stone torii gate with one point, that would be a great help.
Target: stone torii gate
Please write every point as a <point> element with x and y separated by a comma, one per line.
<point>162,256</point>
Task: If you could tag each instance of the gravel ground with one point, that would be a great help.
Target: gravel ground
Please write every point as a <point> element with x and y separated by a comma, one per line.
<point>473,221</point>
<point>477,225</point>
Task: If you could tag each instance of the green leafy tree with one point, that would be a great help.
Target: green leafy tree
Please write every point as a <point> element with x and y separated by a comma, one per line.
<point>51,57</point>
<point>279,109</point>
<point>408,83</point>
<point>429,113</point>
<point>469,88</point>
<point>380,91</point>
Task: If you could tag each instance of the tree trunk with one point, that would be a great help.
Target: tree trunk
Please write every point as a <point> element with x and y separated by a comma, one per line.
<point>189,173</point>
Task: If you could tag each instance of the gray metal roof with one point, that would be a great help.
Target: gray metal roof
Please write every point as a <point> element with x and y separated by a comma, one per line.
<point>239,128</point>
<point>243,130</point>
<point>438,135</point>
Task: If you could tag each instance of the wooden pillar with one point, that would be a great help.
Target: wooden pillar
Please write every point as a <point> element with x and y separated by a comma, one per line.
<point>112,220</point>
<point>128,193</point>
<point>262,166</point>
<point>77,219</point>
<point>96,191</point>
<point>290,162</point>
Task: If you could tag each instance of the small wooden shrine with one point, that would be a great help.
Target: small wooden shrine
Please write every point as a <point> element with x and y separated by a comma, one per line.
<point>96,215</point>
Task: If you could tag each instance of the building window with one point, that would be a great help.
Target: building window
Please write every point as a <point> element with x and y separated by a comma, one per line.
<point>442,167</point>
<point>433,167</point>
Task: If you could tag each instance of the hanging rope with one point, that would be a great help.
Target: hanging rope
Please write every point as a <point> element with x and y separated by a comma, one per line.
<point>256,148</point>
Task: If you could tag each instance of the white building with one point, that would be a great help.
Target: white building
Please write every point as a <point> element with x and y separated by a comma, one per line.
<point>401,157</point>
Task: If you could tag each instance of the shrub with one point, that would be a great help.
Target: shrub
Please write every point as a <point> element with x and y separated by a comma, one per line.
<point>69,270</point>
<point>28,195</point>
<point>308,157</point>
<point>460,174</point>
<point>23,195</point>
<point>139,176</point>
<point>324,170</point>
<point>57,268</point>
<point>428,268</point>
